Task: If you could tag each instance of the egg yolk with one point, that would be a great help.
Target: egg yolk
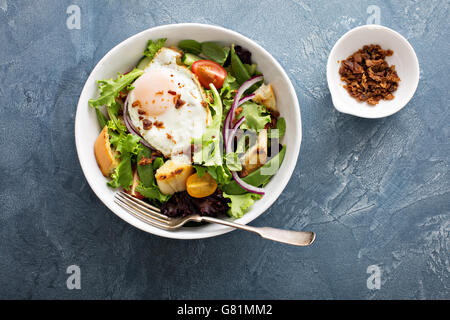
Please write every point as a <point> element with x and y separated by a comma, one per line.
<point>155,92</point>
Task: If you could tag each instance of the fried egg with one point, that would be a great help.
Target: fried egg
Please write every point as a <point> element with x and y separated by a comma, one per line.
<point>167,105</point>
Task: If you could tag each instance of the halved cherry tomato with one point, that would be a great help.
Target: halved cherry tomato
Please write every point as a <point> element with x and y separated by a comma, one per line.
<point>208,72</point>
<point>199,187</point>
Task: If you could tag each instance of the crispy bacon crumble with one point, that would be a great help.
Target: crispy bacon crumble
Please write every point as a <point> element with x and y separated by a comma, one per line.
<point>368,76</point>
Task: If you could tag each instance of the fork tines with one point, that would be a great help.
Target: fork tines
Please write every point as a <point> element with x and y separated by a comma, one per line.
<point>142,210</point>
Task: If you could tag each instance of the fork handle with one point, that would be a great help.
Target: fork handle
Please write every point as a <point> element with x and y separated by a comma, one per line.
<point>296,238</point>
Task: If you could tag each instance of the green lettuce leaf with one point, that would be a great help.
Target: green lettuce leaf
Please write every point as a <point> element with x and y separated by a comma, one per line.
<point>210,153</point>
<point>153,47</point>
<point>240,204</point>
<point>128,144</point>
<point>228,88</point>
<point>110,89</point>
<point>221,174</point>
<point>256,116</point>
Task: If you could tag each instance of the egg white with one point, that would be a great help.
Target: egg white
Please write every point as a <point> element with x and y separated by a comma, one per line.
<point>182,124</point>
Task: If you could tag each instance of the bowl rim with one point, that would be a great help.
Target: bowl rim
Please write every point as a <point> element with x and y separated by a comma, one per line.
<point>197,234</point>
<point>416,66</point>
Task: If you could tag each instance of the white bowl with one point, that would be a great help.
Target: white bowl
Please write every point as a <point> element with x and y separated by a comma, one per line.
<point>125,56</point>
<point>404,59</point>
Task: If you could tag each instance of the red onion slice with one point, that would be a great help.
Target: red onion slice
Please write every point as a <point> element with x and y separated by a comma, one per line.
<point>244,185</point>
<point>244,87</point>
<point>245,99</point>
<point>130,126</point>
<point>228,148</point>
<point>233,132</point>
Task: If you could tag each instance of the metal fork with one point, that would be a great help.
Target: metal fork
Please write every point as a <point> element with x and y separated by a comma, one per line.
<point>152,216</point>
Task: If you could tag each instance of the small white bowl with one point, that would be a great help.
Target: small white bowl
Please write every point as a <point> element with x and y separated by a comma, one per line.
<point>125,56</point>
<point>404,59</point>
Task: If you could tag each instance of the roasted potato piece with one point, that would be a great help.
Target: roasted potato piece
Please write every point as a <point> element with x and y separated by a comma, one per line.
<point>172,176</point>
<point>105,156</point>
<point>256,156</point>
<point>264,95</point>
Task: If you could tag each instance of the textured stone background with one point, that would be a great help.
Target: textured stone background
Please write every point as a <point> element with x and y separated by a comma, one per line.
<point>377,192</point>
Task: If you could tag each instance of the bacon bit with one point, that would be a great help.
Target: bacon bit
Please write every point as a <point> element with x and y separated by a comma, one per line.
<point>368,76</point>
<point>159,92</point>
<point>210,97</point>
<point>145,161</point>
<point>243,173</point>
<point>172,92</point>
<point>238,111</point>
<point>141,117</point>
<point>141,112</point>
<point>153,101</point>
<point>179,103</point>
<point>171,75</point>
<point>274,113</point>
<point>204,104</point>
<point>170,138</point>
<point>272,124</point>
<point>147,124</point>
<point>159,124</point>
<point>137,103</point>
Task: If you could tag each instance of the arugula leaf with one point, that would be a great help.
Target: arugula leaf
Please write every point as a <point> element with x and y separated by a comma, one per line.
<point>215,52</point>
<point>110,89</point>
<point>279,130</point>
<point>240,203</point>
<point>256,116</point>
<point>190,46</point>
<point>281,126</point>
<point>239,70</point>
<point>153,47</point>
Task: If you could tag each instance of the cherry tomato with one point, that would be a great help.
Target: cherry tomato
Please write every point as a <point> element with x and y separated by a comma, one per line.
<point>208,72</point>
<point>199,187</point>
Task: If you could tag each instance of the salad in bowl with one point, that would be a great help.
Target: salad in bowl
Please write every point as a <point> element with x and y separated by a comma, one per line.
<point>197,129</point>
<point>193,128</point>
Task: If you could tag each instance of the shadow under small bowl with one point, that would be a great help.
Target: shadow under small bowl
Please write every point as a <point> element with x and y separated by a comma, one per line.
<point>404,59</point>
